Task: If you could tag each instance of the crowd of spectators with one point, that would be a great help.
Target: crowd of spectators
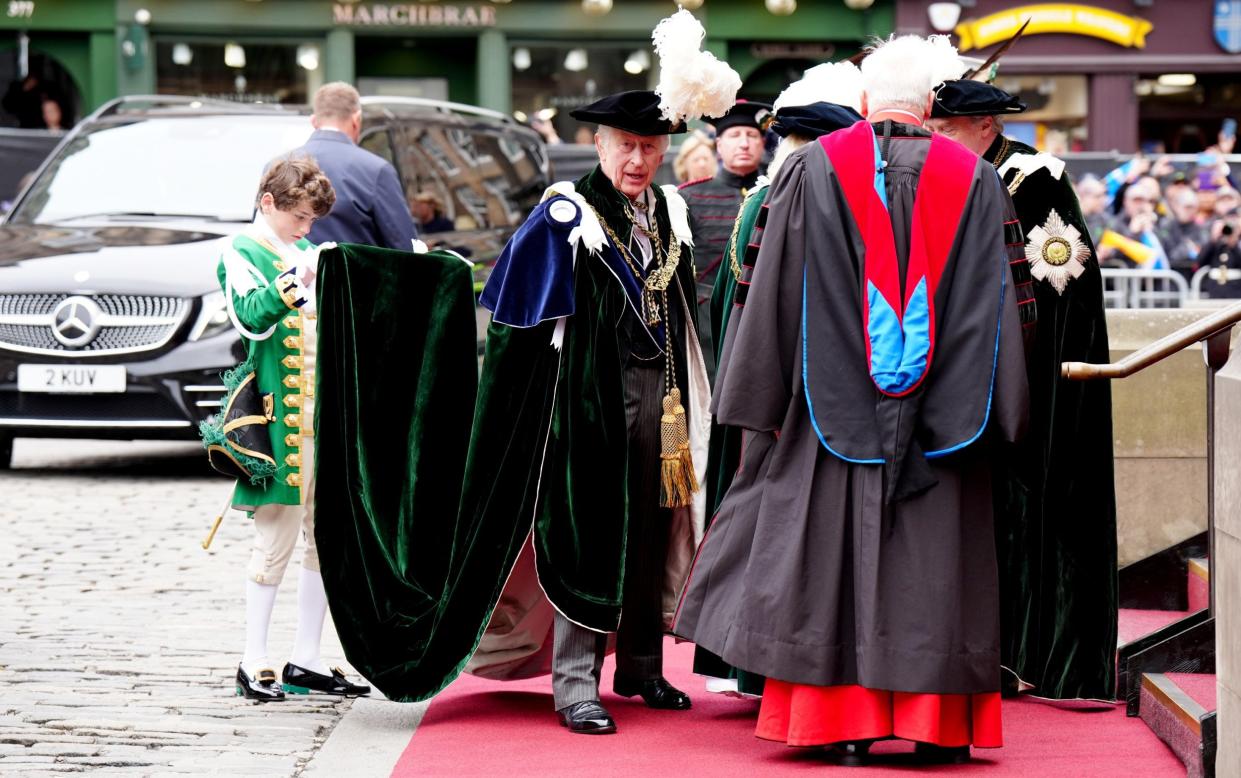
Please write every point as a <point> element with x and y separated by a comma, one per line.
<point>1154,214</point>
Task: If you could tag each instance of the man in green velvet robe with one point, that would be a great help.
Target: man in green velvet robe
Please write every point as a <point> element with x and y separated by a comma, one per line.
<point>592,301</point>
<point>1056,503</point>
<point>579,508</point>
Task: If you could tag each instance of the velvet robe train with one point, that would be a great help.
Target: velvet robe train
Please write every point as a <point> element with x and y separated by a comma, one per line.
<point>418,538</point>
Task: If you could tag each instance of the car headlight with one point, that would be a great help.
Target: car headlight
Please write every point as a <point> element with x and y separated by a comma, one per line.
<point>212,317</point>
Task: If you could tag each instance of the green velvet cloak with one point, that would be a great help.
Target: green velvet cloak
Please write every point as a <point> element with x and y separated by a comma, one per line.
<point>1056,502</point>
<point>397,376</point>
<point>416,538</point>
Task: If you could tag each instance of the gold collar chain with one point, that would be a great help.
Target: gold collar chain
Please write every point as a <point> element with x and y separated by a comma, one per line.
<point>656,283</point>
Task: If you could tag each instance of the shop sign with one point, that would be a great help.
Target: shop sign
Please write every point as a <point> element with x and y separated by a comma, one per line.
<point>1227,25</point>
<point>20,9</point>
<point>413,15</point>
<point>820,51</point>
<point>1068,18</point>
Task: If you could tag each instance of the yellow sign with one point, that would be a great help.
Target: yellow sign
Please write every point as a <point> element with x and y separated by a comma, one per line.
<point>1067,18</point>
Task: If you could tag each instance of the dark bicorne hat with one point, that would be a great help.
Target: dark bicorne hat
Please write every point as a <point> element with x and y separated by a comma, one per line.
<point>814,120</point>
<point>636,111</point>
<point>963,97</point>
<point>743,114</point>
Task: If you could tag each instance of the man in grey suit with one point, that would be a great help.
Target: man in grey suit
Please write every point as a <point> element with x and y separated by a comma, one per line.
<point>370,206</point>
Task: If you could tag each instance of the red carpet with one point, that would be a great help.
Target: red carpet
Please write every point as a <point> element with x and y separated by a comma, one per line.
<point>1139,623</point>
<point>485,728</point>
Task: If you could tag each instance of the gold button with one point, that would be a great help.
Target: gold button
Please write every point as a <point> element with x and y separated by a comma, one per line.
<point>293,460</point>
<point>293,381</point>
<point>292,401</point>
<point>293,440</point>
<point>293,479</point>
<point>293,322</point>
<point>293,420</point>
<point>292,361</point>
<point>293,341</point>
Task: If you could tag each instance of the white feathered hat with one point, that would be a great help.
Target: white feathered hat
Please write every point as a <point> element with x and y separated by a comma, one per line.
<point>692,82</point>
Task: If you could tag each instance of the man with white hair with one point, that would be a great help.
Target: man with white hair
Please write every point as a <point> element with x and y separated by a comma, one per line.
<point>878,361</point>
<point>591,350</point>
<point>1055,498</point>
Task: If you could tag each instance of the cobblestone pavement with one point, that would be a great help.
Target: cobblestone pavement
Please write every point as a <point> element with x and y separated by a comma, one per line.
<point>120,636</point>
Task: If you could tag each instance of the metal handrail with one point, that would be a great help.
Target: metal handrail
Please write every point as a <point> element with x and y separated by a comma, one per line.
<point>1165,347</point>
<point>1215,333</point>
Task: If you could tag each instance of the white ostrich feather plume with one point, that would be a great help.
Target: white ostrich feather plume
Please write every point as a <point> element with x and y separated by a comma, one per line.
<point>835,82</point>
<point>692,82</point>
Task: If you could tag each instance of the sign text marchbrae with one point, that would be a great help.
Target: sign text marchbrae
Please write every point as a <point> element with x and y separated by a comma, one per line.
<point>413,15</point>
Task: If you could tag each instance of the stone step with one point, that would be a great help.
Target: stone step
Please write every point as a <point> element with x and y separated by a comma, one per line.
<point>1180,709</point>
<point>1199,586</point>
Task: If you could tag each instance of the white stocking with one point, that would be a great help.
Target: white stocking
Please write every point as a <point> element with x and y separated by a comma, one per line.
<point>311,610</point>
<point>260,600</point>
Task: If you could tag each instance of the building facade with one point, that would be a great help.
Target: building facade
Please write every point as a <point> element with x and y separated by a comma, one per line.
<point>1105,75</point>
<point>517,55</point>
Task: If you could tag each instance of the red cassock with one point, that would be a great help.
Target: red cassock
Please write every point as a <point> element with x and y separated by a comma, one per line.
<point>803,715</point>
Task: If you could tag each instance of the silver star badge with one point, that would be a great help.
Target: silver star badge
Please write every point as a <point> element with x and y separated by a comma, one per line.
<point>1056,252</point>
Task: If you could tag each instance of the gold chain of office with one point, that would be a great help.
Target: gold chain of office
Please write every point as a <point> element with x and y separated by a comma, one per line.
<point>655,285</point>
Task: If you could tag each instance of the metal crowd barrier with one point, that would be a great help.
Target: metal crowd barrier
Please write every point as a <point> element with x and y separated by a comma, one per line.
<point>1208,274</point>
<point>1141,288</point>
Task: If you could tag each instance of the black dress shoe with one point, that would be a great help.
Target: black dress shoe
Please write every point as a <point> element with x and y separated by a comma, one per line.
<point>929,753</point>
<point>851,753</point>
<point>656,693</point>
<point>587,718</point>
<point>299,680</point>
<point>262,687</point>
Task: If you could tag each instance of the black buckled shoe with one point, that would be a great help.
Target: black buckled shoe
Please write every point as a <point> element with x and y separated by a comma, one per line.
<point>851,753</point>
<point>929,753</point>
<point>262,687</point>
<point>299,680</point>
<point>655,692</point>
<point>587,718</point>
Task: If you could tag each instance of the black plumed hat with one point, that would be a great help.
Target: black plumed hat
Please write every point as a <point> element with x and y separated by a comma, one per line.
<point>963,97</point>
<point>814,120</point>
<point>636,111</point>
<point>743,114</point>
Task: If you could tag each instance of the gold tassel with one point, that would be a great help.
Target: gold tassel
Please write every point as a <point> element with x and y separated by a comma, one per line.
<point>677,481</point>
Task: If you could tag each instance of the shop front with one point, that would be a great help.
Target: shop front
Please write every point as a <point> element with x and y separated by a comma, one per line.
<point>60,52</point>
<point>531,57</point>
<point>1106,75</point>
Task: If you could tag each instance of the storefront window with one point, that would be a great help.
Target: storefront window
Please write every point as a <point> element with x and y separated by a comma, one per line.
<point>1183,112</point>
<point>1055,119</point>
<point>552,80</point>
<point>240,70</point>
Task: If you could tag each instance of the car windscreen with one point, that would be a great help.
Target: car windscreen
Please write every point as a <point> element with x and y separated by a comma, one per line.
<point>196,166</point>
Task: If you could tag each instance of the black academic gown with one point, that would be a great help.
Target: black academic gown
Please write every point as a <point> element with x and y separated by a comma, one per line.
<point>811,572</point>
<point>1056,502</point>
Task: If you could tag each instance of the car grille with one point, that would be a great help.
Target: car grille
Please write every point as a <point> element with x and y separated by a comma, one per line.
<point>127,323</point>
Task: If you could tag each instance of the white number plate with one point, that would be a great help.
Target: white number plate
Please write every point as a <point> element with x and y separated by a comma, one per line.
<point>86,379</point>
